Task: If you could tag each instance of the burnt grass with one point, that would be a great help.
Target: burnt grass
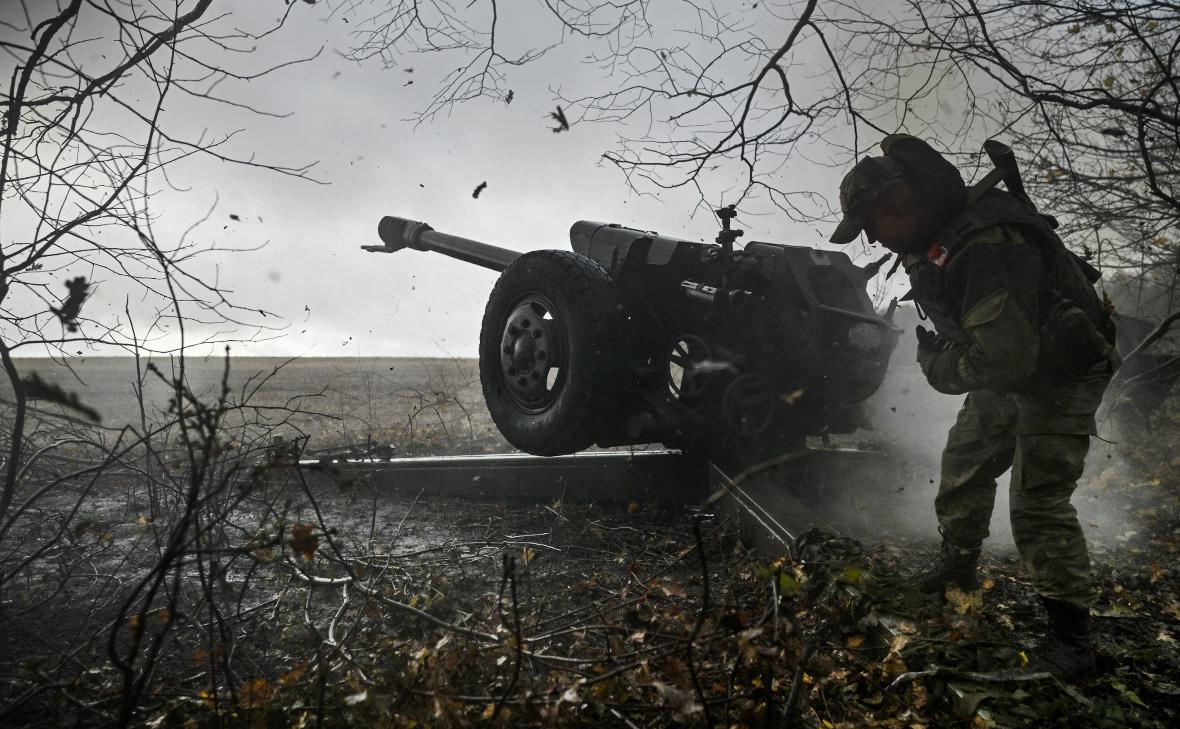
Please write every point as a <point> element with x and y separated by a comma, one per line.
<point>315,605</point>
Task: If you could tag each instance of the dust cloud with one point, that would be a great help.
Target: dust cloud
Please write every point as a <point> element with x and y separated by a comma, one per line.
<point>895,500</point>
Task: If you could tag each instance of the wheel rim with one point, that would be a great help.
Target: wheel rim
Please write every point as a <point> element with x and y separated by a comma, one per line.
<point>685,376</point>
<point>532,352</point>
<point>748,405</point>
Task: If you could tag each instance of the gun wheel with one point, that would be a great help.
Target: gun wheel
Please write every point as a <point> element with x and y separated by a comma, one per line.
<point>748,405</point>
<point>548,350</point>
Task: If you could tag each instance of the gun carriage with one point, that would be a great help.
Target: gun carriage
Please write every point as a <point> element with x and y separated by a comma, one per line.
<point>635,338</point>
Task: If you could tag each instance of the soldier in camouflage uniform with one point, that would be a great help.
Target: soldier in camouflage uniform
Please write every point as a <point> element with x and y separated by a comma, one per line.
<point>1021,331</point>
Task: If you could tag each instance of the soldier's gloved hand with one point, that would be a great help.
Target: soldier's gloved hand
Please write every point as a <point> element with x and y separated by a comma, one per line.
<point>939,358</point>
<point>930,345</point>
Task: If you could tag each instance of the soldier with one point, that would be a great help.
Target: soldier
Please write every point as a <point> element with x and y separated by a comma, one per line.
<point>1022,332</point>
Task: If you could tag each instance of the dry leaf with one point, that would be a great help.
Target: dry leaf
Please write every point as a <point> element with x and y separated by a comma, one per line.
<point>896,645</point>
<point>965,603</point>
<point>1157,573</point>
<point>293,675</point>
<point>255,694</point>
<point>681,702</point>
<point>671,589</point>
<point>71,306</point>
<point>304,540</point>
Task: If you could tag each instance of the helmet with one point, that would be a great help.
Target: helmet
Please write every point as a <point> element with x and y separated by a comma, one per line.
<point>906,158</point>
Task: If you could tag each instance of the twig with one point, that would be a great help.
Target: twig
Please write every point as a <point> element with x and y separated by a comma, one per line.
<point>1007,676</point>
<point>398,531</point>
<point>630,724</point>
<point>1160,330</point>
<point>797,683</point>
<point>696,628</point>
<point>510,576</point>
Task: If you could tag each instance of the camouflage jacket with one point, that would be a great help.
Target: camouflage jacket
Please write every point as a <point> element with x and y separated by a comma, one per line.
<point>1017,306</point>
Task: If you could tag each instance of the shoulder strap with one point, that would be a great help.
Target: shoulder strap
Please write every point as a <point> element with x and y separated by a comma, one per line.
<point>994,208</point>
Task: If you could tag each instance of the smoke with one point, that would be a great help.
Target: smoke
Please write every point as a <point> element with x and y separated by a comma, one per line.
<point>892,499</point>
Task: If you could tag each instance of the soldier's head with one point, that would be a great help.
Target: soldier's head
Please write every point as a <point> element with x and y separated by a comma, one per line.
<point>878,198</point>
<point>900,199</point>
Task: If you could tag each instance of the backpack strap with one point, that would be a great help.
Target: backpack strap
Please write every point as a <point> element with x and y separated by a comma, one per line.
<point>994,208</point>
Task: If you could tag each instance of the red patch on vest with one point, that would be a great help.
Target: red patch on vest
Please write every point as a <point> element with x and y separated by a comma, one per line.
<point>936,254</point>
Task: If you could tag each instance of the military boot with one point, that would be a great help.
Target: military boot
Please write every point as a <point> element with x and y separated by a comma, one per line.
<point>954,566</point>
<point>1067,651</point>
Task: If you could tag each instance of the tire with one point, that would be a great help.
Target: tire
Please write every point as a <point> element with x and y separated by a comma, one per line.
<point>549,349</point>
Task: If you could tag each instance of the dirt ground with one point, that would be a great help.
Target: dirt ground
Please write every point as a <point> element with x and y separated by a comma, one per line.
<point>311,605</point>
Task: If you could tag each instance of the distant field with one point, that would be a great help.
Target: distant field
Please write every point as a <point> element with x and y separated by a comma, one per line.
<point>420,404</point>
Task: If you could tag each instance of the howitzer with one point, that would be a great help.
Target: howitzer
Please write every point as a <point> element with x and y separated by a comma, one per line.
<point>633,338</point>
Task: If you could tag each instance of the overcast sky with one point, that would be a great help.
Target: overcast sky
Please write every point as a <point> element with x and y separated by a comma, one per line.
<point>352,119</point>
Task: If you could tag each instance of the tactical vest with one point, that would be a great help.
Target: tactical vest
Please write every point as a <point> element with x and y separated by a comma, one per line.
<point>1076,330</point>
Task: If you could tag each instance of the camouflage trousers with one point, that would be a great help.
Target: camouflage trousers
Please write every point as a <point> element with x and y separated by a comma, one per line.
<point>1043,436</point>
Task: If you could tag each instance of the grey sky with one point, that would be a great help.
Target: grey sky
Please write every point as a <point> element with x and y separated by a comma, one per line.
<point>352,119</point>
<point>332,298</point>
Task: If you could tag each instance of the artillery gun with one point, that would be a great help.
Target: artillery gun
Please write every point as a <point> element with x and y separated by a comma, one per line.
<point>635,338</point>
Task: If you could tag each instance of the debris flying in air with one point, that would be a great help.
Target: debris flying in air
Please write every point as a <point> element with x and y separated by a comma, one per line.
<point>37,389</point>
<point>71,307</point>
<point>563,124</point>
<point>479,188</point>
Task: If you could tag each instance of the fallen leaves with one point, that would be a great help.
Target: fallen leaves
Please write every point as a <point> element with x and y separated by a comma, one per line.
<point>639,610</point>
<point>256,694</point>
<point>293,676</point>
<point>682,703</point>
<point>304,541</point>
<point>1157,573</point>
<point>672,589</point>
<point>965,603</point>
<point>1127,693</point>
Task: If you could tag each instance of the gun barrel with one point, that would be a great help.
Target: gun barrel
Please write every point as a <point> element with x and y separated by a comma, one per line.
<point>398,233</point>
